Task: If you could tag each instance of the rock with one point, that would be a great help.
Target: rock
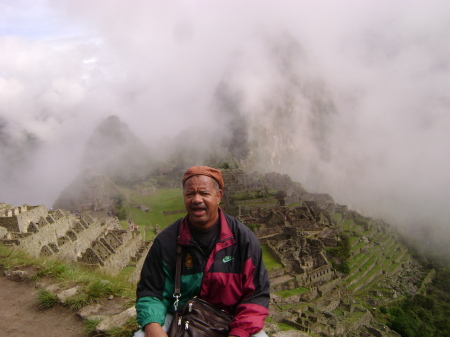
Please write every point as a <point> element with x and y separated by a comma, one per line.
<point>89,311</point>
<point>116,320</point>
<point>18,275</point>
<point>53,288</point>
<point>271,328</point>
<point>97,318</point>
<point>65,294</point>
<point>290,333</point>
<point>3,232</point>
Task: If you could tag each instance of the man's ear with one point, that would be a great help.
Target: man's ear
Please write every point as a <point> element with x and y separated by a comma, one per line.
<point>219,195</point>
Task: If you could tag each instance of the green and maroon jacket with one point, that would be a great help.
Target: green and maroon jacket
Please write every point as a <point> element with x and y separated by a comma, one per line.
<point>232,277</point>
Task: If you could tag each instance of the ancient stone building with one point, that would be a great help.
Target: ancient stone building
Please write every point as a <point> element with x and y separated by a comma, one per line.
<point>94,242</point>
<point>17,219</point>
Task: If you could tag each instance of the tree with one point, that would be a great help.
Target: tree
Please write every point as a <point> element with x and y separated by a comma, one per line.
<point>281,194</point>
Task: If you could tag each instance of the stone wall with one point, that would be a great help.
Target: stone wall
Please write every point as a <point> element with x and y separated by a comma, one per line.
<point>262,202</point>
<point>288,285</point>
<point>140,259</point>
<point>326,288</point>
<point>131,242</point>
<point>365,319</point>
<point>276,254</point>
<point>276,272</point>
<point>330,302</point>
<point>17,219</point>
<point>10,223</point>
<point>321,274</point>
<point>267,231</point>
<point>67,237</point>
<point>31,215</point>
<point>70,235</point>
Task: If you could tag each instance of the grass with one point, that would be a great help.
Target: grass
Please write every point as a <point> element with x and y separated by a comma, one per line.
<point>127,272</point>
<point>12,257</point>
<point>347,225</point>
<point>292,292</point>
<point>93,284</point>
<point>353,239</point>
<point>92,292</point>
<point>369,263</point>
<point>163,200</point>
<point>337,216</point>
<point>354,317</point>
<point>90,325</point>
<point>285,327</point>
<point>359,245</point>
<point>46,299</point>
<point>269,259</point>
<point>167,199</point>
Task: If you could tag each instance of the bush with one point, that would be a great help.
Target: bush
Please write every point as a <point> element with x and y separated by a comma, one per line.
<point>343,267</point>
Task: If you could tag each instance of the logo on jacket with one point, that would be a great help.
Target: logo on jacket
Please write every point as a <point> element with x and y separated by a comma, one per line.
<point>189,262</point>
<point>227,259</point>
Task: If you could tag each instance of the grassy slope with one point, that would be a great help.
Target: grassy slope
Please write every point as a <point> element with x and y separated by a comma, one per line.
<point>269,259</point>
<point>168,199</point>
<point>165,200</point>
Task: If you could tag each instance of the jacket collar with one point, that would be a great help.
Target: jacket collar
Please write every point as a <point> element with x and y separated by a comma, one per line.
<point>184,236</point>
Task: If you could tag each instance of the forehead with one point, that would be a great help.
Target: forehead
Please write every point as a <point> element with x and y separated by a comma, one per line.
<point>199,181</point>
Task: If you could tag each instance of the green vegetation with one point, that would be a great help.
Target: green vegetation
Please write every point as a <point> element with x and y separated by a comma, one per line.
<point>337,216</point>
<point>353,239</point>
<point>269,259</point>
<point>247,196</point>
<point>253,226</point>
<point>120,209</point>
<point>168,199</point>
<point>92,291</point>
<point>46,299</point>
<point>424,316</point>
<point>347,225</point>
<point>90,325</point>
<point>343,253</point>
<point>162,200</point>
<point>292,292</point>
<point>92,284</point>
<point>285,327</point>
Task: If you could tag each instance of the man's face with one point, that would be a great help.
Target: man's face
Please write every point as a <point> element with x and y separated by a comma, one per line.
<point>202,198</point>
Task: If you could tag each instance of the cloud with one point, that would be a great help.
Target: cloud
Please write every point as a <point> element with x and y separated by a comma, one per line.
<point>381,68</point>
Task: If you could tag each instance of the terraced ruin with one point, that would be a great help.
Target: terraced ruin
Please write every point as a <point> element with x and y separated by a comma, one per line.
<point>71,236</point>
<point>331,268</point>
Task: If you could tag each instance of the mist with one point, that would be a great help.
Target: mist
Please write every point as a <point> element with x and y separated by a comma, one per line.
<point>349,98</point>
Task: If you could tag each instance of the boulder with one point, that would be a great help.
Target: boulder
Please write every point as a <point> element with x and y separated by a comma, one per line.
<point>116,320</point>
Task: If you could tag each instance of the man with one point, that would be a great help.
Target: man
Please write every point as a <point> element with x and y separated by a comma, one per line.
<point>221,263</point>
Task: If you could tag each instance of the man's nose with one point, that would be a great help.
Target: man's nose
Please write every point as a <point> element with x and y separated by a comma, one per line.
<point>197,198</point>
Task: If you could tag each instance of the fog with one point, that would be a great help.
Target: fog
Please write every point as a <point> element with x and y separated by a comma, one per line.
<point>379,72</point>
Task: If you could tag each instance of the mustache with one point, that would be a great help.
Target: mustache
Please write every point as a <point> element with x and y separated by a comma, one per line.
<point>198,206</point>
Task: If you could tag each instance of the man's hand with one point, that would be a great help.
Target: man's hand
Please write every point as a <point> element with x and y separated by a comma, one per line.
<point>154,330</point>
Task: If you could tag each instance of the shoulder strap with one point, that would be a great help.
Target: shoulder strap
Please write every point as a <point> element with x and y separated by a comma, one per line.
<point>177,292</point>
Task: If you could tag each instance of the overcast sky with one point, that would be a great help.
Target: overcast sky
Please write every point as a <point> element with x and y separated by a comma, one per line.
<point>67,65</point>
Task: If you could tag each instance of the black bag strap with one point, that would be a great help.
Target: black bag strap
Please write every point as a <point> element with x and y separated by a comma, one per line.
<point>177,292</point>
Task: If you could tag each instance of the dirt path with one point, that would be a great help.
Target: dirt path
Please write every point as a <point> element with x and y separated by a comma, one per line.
<point>20,315</point>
